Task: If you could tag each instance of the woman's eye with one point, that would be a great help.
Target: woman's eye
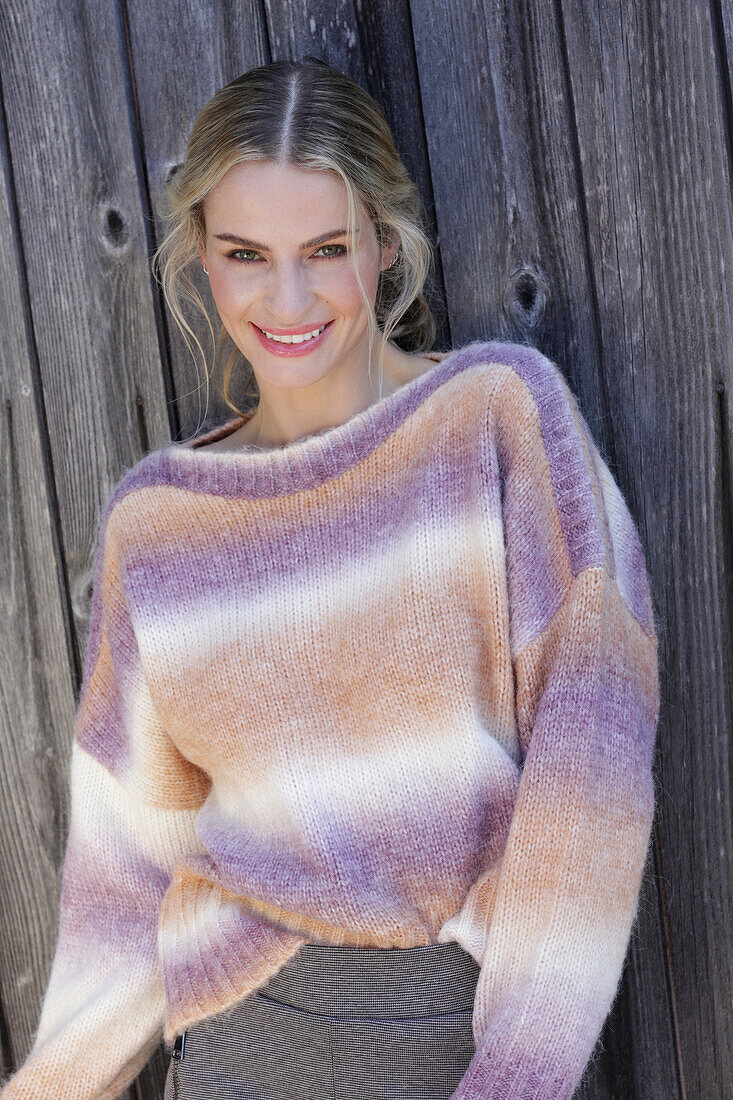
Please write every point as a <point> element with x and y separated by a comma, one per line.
<point>240,252</point>
<point>331,255</point>
<point>248,255</point>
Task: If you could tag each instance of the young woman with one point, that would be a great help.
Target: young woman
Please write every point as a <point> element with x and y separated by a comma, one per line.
<point>361,780</point>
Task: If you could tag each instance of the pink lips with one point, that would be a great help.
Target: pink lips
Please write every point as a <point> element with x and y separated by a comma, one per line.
<point>304,348</point>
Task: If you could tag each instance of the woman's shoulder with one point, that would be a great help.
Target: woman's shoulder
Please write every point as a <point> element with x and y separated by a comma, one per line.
<point>128,501</point>
<point>524,360</point>
<point>405,367</point>
<point>518,375</point>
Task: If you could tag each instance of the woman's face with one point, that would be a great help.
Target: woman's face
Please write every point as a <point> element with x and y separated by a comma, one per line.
<point>276,252</point>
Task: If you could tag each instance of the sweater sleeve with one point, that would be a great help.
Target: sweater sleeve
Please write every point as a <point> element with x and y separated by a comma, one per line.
<point>133,802</point>
<point>583,648</point>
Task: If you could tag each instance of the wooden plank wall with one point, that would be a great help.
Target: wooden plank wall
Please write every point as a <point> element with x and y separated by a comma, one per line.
<point>575,159</point>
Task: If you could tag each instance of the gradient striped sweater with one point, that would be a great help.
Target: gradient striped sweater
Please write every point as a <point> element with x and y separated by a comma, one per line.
<point>394,683</point>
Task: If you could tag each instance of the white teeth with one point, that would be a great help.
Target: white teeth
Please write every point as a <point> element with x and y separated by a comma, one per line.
<point>294,339</point>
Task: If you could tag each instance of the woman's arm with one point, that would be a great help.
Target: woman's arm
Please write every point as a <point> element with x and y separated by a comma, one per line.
<point>134,799</point>
<point>584,656</point>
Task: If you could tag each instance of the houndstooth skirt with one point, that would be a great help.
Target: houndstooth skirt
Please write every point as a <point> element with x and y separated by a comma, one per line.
<point>339,1023</point>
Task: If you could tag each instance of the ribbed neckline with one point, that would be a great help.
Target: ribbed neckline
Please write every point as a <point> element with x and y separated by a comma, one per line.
<point>307,462</point>
<point>228,427</point>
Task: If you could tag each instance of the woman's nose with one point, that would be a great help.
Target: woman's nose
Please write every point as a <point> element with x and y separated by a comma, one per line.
<point>289,294</point>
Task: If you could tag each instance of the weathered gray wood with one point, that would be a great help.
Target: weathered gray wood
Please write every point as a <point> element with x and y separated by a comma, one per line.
<point>98,402</point>
<point>657,192</point>
<point>35,661</point>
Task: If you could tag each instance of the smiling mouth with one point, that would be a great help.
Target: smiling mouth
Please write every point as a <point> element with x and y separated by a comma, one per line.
<point>294,338</point>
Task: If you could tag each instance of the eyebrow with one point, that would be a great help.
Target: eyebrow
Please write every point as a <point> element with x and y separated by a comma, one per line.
<point>263,247</point>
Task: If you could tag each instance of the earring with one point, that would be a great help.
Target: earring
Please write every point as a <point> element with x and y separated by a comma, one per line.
<point>395,258</point>
<point>205,270</point>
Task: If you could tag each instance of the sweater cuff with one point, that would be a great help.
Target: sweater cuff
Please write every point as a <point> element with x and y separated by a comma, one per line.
<point>487,1079</point>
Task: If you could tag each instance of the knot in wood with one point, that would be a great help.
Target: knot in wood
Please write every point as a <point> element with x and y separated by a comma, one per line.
<point>526,296</point>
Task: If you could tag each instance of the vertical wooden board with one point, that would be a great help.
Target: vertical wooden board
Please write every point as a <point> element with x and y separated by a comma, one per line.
<point>723,22</point>
<point>204,46</point>
<point>372,44</point>
<point>502,151</point>
<point>511,212</point>
<point>657,190</point>
<point>84,244</point>
<point>36,665</point>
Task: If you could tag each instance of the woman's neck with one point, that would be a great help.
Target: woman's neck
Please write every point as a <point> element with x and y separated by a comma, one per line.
<point>268,428</point>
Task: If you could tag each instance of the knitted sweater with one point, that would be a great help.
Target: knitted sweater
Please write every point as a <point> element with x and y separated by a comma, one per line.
<point>394,683</point>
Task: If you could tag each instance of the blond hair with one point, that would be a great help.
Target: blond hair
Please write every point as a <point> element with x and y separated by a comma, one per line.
<point>309,115</point>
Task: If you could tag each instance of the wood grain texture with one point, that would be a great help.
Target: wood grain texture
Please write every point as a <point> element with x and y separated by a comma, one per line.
<point>36,661</point>
<point>99,401</point>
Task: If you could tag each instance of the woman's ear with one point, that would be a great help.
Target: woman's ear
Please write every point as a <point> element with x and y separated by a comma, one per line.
<point>389,251</point>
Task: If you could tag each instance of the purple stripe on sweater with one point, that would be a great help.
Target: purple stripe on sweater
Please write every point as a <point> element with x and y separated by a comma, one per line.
<point>316,895</point>
<point>307,463</point>
<point>101,730</point>
<point>348,856</point>
<point>237,946</point>
<point>101,723</point>
<point>568,471</point>
<point>487,1077</point>
<point>110,899</point>
<point>430,497</point>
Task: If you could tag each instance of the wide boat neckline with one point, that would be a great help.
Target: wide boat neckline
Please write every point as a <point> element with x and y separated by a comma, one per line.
<point>228,427</point>
<point>313,459</point>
